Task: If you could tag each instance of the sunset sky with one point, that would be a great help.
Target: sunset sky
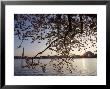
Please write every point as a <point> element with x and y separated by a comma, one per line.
<point>31,49</point>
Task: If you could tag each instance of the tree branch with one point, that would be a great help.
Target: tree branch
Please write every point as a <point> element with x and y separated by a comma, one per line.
<point>45,48</point>
<point>69,27</point>
<point>81,21</point>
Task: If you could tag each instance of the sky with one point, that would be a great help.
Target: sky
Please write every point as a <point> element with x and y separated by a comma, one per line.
<point>31,49</point>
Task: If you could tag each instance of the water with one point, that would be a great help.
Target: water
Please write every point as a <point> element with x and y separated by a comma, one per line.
<point>48,67</point>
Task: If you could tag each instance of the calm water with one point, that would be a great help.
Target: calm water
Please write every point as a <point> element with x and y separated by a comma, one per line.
<point>46,67</point>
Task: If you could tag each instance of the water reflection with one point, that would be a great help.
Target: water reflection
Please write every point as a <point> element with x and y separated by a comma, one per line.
<point>81,66</point>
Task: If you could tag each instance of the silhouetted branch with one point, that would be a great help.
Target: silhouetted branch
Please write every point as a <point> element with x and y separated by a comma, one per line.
<point>46,48</point>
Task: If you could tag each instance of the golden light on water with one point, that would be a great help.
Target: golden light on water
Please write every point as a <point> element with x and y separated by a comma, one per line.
<point>83,63</point>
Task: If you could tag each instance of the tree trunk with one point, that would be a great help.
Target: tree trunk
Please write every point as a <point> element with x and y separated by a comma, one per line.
<point>81,21</point>
<point>69,20</point>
